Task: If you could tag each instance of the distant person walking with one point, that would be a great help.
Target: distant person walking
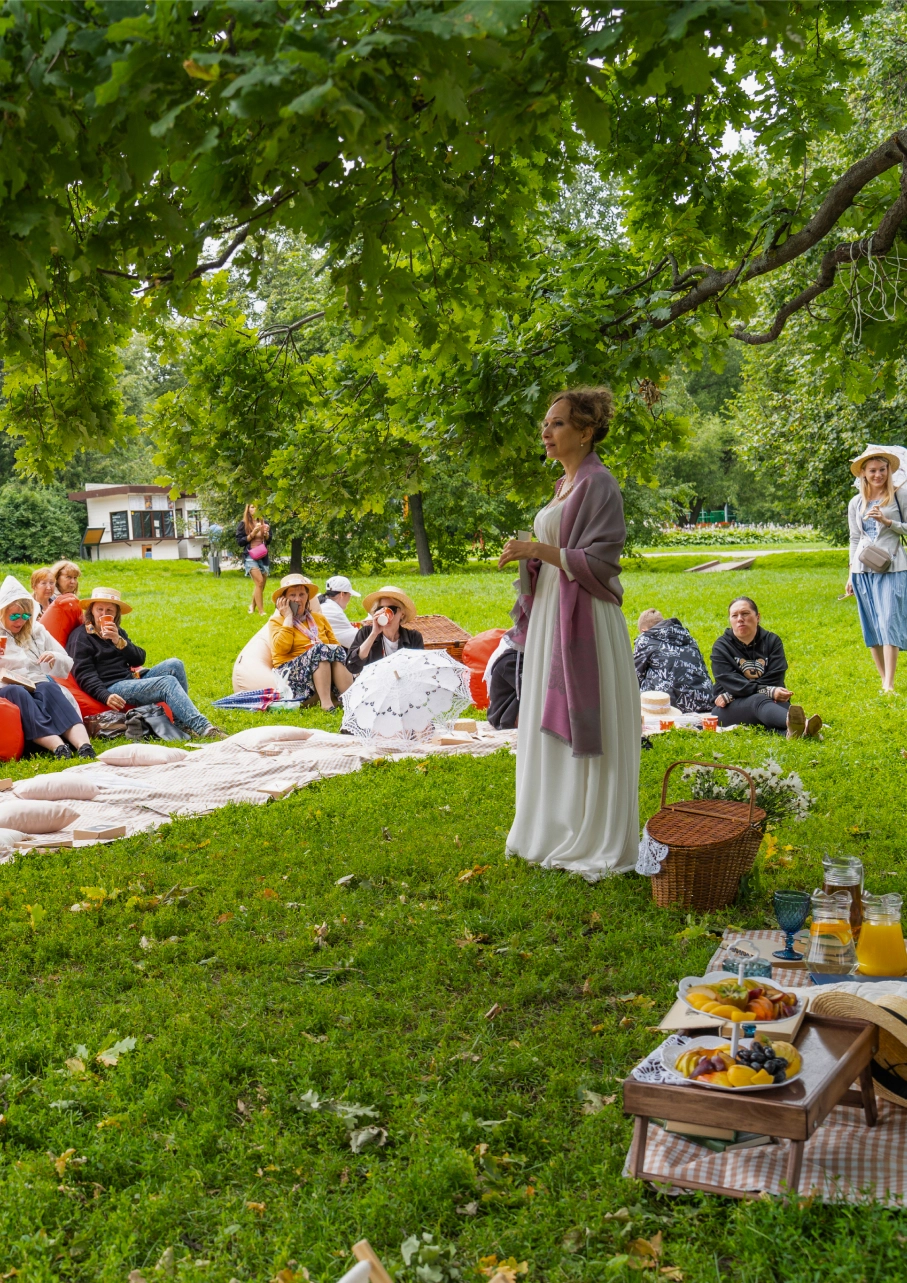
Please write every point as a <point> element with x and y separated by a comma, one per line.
<point>577,774</point>
<point>878,563</point>
<point>253,534</point>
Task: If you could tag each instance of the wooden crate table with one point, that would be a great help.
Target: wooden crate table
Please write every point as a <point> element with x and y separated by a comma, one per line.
<point>836,1052</point>
<point>440,633</point>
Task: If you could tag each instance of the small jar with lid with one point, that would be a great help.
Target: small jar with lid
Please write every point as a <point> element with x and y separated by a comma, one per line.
<point>881,950</point>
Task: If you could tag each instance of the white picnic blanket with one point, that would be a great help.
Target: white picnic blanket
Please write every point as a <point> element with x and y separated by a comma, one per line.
<point>144,797</point>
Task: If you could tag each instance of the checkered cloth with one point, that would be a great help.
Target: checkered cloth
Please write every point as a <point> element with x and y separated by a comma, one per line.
<point>786,977</point>
<point>844,1162</point>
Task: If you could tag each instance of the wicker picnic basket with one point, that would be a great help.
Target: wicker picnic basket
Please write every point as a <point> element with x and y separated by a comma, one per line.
<point>440,633</point>
<point>711,845</point>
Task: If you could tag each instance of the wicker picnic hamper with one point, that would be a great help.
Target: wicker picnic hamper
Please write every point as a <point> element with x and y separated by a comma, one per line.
<point>711,844</point>
<point>440,633</point>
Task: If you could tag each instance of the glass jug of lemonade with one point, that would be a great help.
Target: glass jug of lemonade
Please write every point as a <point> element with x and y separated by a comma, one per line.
<point>881,950</point>
<point>831,948</point>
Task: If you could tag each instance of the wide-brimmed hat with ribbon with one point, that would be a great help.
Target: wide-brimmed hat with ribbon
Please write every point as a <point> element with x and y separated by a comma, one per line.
<point>875,452</point>
<point>109,595</point>
<point>396,594</point>
<point>888,1012</point>
<point>295,581</point>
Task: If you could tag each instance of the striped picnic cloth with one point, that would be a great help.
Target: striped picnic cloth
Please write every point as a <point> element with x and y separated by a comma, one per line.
<point>843,1162</point>
<point>251,701</point>
<point>787,977</point>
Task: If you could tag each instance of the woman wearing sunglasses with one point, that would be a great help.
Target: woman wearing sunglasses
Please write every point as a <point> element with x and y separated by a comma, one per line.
<point>386,632</point>
<point>30,654</point>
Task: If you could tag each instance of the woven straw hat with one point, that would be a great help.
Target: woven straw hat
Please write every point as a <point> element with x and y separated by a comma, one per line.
<point>875,452</point>
<point>110,595</point>
<point>888,1013</point>
<point>292,581</point>
<point>396,594</point>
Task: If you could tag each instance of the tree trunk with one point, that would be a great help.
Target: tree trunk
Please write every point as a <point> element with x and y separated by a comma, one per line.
<point>695,511</point>
<point>295,556</point>
<point>423,552</point>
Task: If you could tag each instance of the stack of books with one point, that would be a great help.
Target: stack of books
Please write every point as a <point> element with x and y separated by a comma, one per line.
<point>718,1139</point>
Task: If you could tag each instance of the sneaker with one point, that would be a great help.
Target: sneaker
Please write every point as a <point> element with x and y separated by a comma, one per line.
<point>813,725</point>
<point>212,733</point>
<point>63,752</point>
<point>796,722</point>
<point>85,750</point>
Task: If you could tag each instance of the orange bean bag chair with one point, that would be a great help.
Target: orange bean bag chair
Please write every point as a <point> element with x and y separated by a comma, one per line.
<point>59,620</point>
<point>12,741</point>
<point>476,654</point>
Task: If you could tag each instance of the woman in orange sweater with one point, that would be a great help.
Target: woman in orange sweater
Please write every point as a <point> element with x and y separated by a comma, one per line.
<point>304,647</point>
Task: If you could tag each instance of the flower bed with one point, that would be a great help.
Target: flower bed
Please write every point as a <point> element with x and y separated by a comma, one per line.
<point>733,535</point>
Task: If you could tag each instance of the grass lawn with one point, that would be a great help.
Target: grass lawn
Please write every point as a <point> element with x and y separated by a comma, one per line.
<point>199,1148</point>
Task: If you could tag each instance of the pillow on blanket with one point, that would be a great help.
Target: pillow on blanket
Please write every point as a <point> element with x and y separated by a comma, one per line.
<point>64,786</point>
<point>259,736</point>
<point>9,837</point>
<point>142,755</point>
<point>36,817</point>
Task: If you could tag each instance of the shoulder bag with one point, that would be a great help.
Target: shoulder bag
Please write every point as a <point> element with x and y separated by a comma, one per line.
<point>875,558</point>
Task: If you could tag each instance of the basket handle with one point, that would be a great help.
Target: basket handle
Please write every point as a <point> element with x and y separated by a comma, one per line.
<point>712,766</point>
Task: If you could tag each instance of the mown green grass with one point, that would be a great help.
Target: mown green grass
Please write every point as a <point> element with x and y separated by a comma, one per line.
<point>239,1016</point>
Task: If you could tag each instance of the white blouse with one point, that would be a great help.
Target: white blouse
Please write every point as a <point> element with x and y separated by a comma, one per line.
<point>22,659</point>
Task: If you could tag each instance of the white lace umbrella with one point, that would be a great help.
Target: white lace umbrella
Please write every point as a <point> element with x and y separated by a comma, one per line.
<point>406,696</point>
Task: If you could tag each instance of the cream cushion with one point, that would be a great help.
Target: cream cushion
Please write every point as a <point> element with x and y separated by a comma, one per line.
<point>254,667</point>
<point>65,786</point>
<point>36,817</point>
<point>259,736</point>
<point>142,755</point>
<point>9,837</point>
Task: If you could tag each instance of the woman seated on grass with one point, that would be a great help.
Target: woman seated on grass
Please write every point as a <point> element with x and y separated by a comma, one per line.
<point>43,588</point>
<point>48,716</point>
<point>748,668</point>
<point>104,659</point>
<point>306,652</point>
<point>385,633</point>
<point>66,580</point>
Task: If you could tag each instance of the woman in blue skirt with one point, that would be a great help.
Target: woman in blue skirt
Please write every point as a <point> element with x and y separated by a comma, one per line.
<point>878,563</point>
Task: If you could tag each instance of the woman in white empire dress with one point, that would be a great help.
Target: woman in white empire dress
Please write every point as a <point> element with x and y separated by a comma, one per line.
<point>578,741</point>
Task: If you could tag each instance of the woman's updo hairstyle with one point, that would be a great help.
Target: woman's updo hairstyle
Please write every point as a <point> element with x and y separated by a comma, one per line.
<point>589,408</point>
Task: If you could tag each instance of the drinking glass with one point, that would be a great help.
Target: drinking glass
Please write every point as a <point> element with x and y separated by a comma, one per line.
<point>791,909</point>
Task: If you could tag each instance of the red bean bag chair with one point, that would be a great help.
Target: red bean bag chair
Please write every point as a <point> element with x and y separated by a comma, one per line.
<point>59,620</point>
<point>476,654</point>
<point>12,741</point>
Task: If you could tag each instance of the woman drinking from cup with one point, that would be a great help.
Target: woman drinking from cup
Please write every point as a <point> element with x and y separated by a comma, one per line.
<point>29,653</point>
<point>878,563</point>
<point>253,534</point>
<point>303,644</point>
<point>387,631</point>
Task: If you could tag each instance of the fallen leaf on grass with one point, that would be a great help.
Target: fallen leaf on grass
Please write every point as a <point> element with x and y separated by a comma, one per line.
<point>75,1065</point>
<point>622,1214</point>
<point>493,1011</point>
<point>287,1275</point>
<point>626,1023</point>
<point>256,1207</point>
<point>469,937</point>
<point>475,872</point>
<point>594,1103</point>
<point>268,894</point>
<point>136,1276</point>
<point>574,1240</point>
<point>468,1209</point>
<point>63,1161</point>
<point>345,880</point>
<point>502,1271</point>
<point>112,1121</point>
<point>587,986</point>
<point>224,917</point>
<point>367,1138</point>
<point>111,1055</point>
<point>645,1250</point>
<point>672,1272</point>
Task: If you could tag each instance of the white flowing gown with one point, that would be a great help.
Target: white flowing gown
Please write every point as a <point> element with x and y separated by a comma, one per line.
<point>577,813</point>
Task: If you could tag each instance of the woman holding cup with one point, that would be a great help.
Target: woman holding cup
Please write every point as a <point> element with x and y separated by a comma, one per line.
<point>387,631</point>
<point>253,534</point>
<point>878,563</point>
<point>29,654</point>
<point>306,652</point>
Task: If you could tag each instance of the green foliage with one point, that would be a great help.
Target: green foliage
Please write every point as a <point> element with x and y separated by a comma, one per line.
<point>38,524</point>
<point>192,1146</point>
<point>425,148</point>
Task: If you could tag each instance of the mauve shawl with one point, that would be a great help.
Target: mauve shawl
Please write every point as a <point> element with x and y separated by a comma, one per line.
<point>592,535</point>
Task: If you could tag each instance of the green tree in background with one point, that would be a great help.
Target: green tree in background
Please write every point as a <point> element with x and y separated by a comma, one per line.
<point>37,524</point>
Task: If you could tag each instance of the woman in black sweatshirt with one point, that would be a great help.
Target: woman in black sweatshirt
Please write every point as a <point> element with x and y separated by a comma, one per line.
<point>748,668</point>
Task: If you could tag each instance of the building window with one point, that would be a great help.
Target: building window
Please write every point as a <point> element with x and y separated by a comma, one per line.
<point>152,525</point>
<point>148,501</point>
<point>193,523</point>
<point>119,525</point>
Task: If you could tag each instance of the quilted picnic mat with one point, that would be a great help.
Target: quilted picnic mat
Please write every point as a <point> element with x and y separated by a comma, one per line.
<point>144,797</point>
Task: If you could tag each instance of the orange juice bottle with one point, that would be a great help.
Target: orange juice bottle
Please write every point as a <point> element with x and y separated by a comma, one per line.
<point>881,950</point>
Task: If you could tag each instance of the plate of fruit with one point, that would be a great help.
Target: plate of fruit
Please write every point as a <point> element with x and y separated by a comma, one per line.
<point>754,1000</point>
<point>760,1063</point>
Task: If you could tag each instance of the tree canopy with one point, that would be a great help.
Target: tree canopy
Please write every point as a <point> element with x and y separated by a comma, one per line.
<point>424,147</point>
